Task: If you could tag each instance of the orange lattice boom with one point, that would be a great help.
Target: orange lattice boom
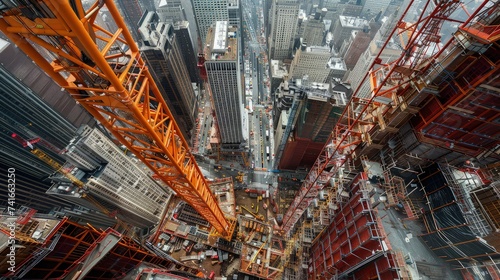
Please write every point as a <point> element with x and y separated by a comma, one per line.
<point>104,72</point>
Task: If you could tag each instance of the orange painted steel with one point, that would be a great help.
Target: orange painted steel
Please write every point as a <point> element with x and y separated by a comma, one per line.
<point>105,74</point>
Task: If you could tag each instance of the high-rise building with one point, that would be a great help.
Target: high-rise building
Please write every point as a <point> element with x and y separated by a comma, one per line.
<point>314,30</point>
<point>310,58</point>
<point>222,65</point>
<point>284,18</point>
<point>115,178</point>
<point>163,53</point>
<point>278,73</point>
<point>182,31</point>
<point>301,24</point>
<point>344,27</point>
<point>132,13</point>
<point>179,11</point>
<point>313,119</point>
<point>353,47</point>
<point>171,10</point>
<point>25,112</point>
<point>390,52</point>
<point>267,4</point>
<point>34,108</point>
<point>352,9</point>
<point>234,11</point>
<point>374,6</point>
<point>316,64</point>
<point>207,12</point>
<point>337,68</point>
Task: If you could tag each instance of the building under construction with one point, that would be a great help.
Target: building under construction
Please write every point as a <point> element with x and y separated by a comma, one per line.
<point>405,186</point>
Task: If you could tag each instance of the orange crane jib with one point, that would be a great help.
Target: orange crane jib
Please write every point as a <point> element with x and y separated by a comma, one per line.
<point>104,72</point>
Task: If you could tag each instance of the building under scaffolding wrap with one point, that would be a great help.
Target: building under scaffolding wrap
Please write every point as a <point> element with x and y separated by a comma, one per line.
<point>418,139</point>
<point>454,228</point>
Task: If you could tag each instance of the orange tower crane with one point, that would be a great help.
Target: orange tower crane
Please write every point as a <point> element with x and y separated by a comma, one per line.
<point>104,72</point>
<point>362,116</point>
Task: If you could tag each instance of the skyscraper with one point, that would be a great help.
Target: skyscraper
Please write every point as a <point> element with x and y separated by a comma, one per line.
<point>171,10</point>
<point>207,12</point>
<point>313,114</point>
<point>234,12</point>
<point>222,65</point>
<point>284,18</point>
<point>364,62</point>
<point>311,61</point>
<point>314,30</point>
<point>132,13</point>
<point>183,35</point>
<point>278,72</point>
<point>33,106</point>
<point>344,27</point>
<point>374,6</point>
<point>116,178</point>
<point>162,52</point>
<point>179,11</point>
<point>354,46</point>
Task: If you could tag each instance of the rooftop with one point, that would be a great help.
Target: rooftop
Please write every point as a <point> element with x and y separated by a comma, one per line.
<point>232,3</point>
<point>352,22</point>
<point>337,63</point>
<point>153,31</point>
<point>181,24</point>
<point>322,49</point>
<point>221,43</point>
<point>319,91</point>
<point>162,3</point>
<point>327,23</point>
<point>278,69</point>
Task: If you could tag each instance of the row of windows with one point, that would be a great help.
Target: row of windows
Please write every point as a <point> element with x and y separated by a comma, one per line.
<point>227,103</point>
<point>128,204</point>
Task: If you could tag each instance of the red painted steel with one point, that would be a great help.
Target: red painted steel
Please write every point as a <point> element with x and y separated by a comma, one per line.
<point>352,237</point>
<point>352,126</point>
<point>76,239</point>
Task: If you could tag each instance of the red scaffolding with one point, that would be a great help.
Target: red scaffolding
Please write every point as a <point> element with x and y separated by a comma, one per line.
<point>72,245</point>
<point>365,119</point>
<point>354,243</point>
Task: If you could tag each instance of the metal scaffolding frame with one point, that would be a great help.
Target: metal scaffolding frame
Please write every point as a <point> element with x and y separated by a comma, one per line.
<point>477,222</point>
<point>397,82</point>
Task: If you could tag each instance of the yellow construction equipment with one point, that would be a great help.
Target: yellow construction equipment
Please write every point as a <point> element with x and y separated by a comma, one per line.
<point>239,177</point>
<point>56,166</point>
<point>256,216</point>
<point>245,159</point>
<point>255,255</point>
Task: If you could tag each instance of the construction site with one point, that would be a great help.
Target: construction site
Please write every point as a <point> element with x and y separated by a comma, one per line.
<point>406,186</point>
